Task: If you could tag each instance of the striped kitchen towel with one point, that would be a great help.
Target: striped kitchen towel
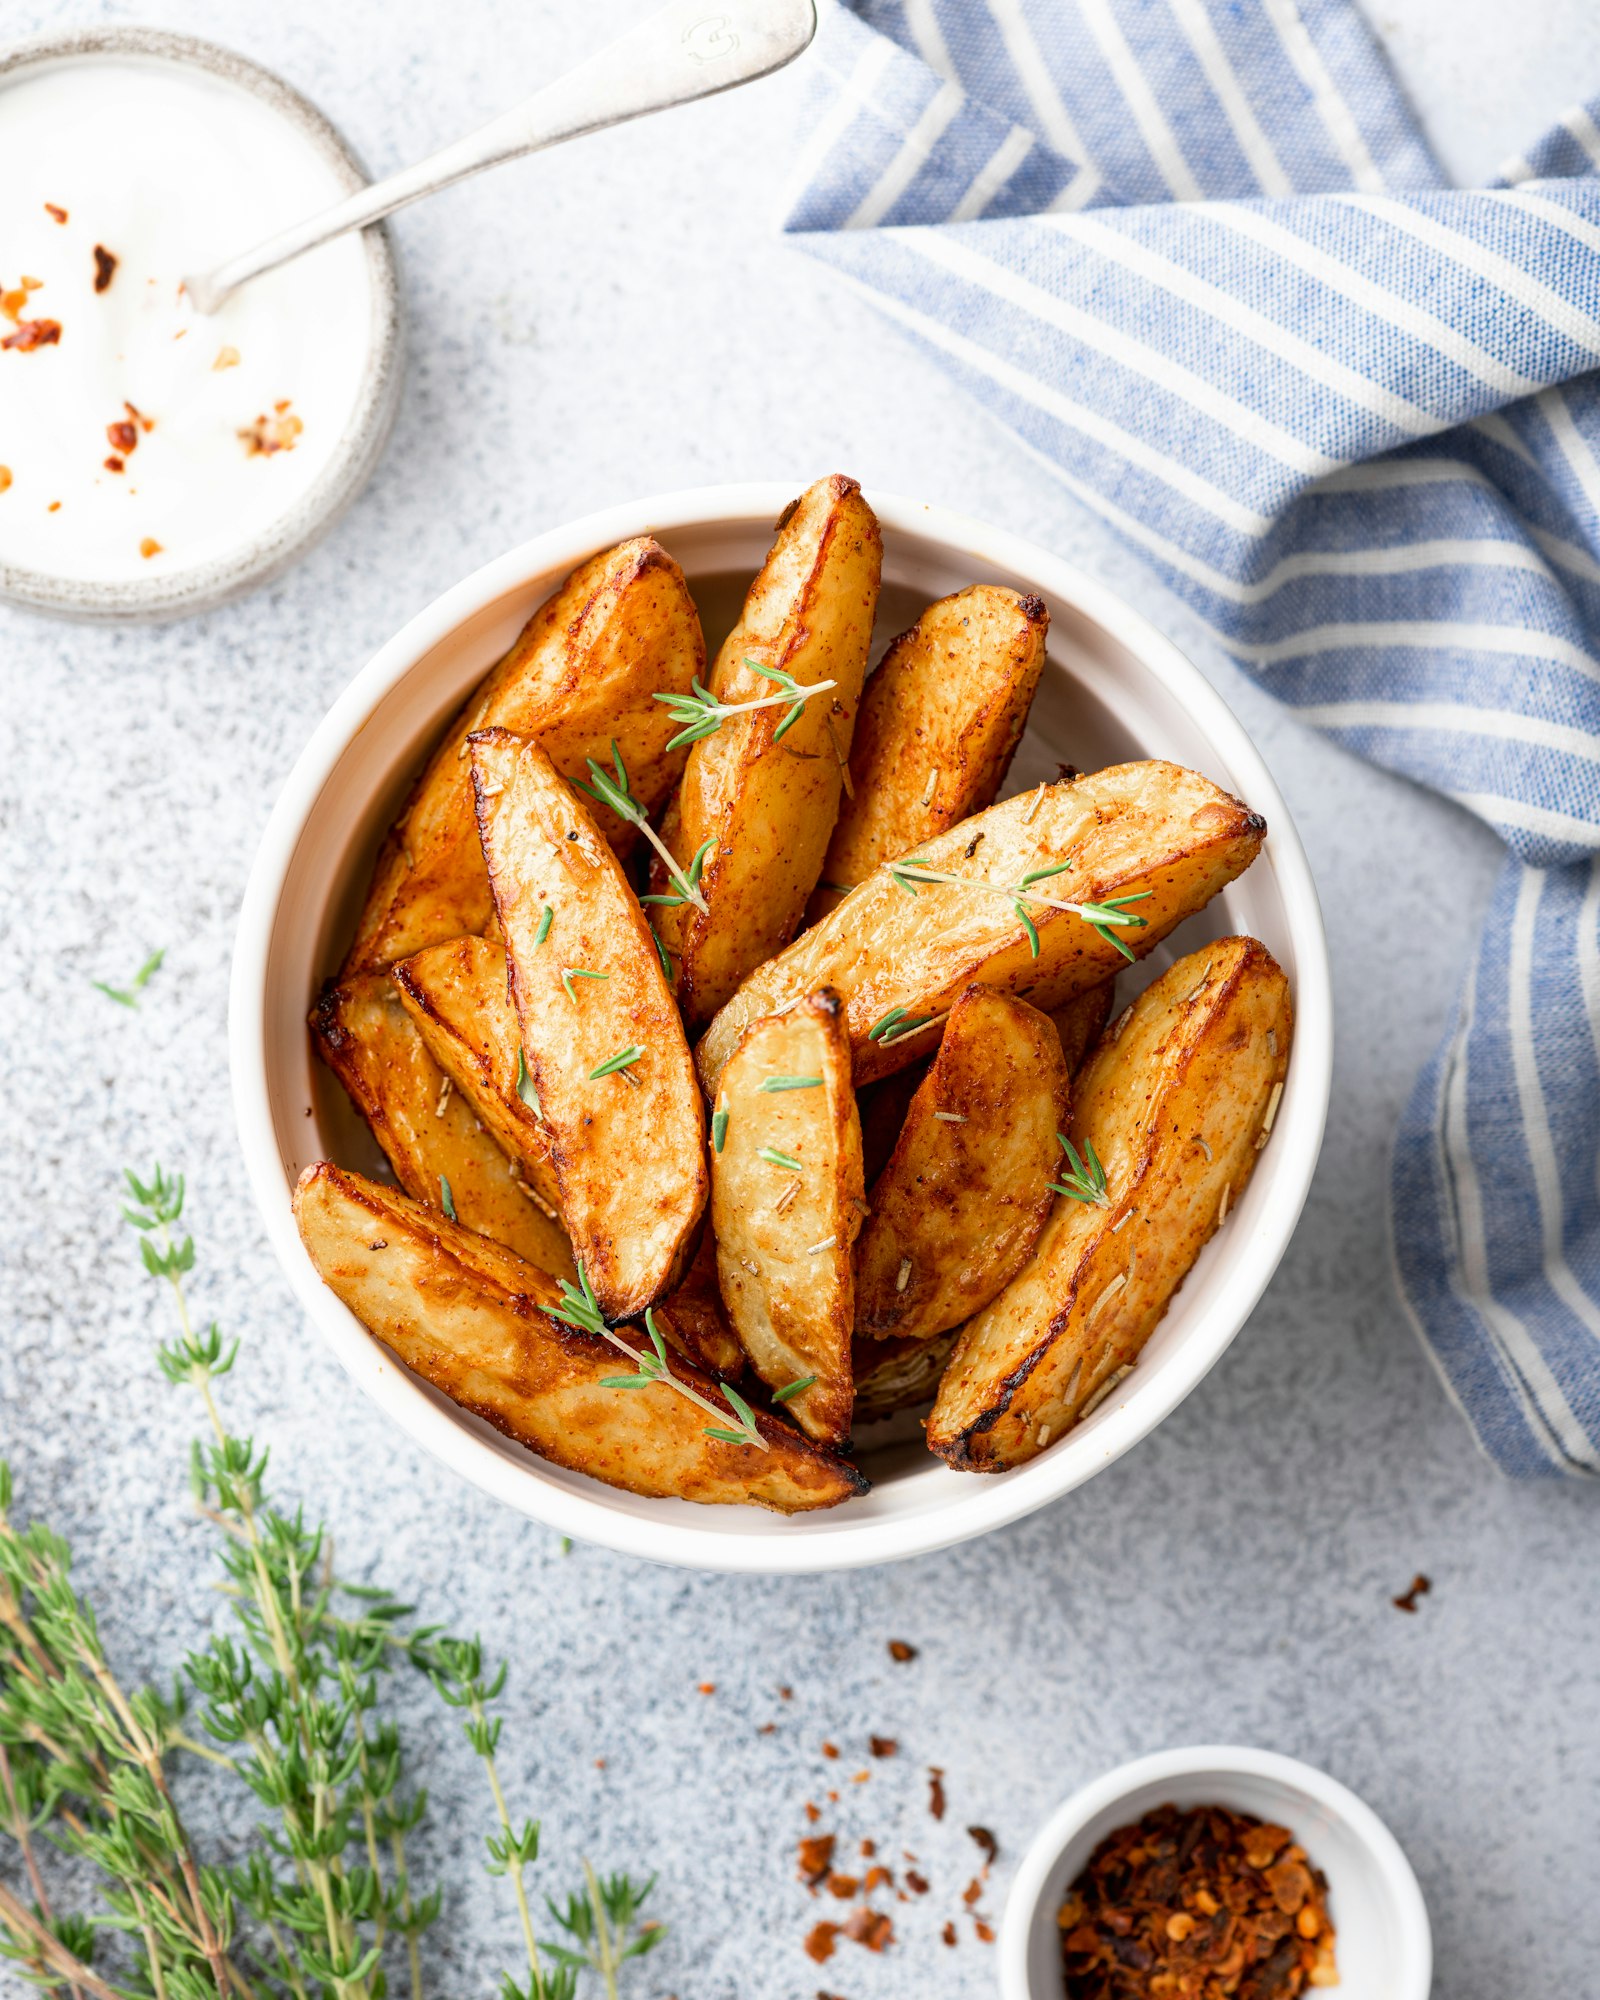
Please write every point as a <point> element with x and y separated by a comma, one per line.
<point>1197,256</point>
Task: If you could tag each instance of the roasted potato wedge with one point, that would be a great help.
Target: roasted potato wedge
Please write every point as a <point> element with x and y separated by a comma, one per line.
<point>764,789</point>
<point>882,1107</point>
<point>468,1317</point>
<point>1081,1021</point>
<point>602,1043</point>
<point>898,959</point>
<point>586,670</point>
<point>958,1209</point>
<point>429,1134</point>
<point>695,1320</point>
<point>938,724</point>
<point>786,1203</point>
<point>457,995</point>
<point>898,1374</point>
<point>1177,1102</point>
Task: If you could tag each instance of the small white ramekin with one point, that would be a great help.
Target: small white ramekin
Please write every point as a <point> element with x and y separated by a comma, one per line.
<point>1383,1945</point>
<point>1113,688</point>
<point>263,555</point>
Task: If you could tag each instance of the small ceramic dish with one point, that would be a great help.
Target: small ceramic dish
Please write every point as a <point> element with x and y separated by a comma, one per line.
<point>1383,1945</point>
<point>181,589</point>
<point>1113,689</point>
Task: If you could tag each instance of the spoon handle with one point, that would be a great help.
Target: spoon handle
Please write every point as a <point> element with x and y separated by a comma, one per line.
<point>690,49</point>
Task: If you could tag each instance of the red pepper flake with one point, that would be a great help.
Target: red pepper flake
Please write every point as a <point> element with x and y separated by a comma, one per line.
<point>1201,1902</point>
<point>147,548</point>
<point>105,268</point>
<point>56,214</point>
<point>816,1857</point>
<point>1407,1600</point>
<point>785,1694</point>
<point>768,1729</point>
<point>917,1884</point>
<point>877,1877</point>
<point>54,507</point>
<point>14,303</point>
<point>708,1687</point>
<point>271,434</point>
<point>145,423</point>
<point>819,1942</point>
<point>830,1749</point>
<point>882,1746</point>
<point>843,1886</point>
<point>32,333</point>
<point>599,1763</point>
<point>123,437</point>
<point>900,1652</point>
<point>973,1891</point>
<point>5,478</point>
<point>985,1931</point>
<point>987,1841</point>
<point>868,1849</point>
<point>872,1928</point>
<point>833,1798</point>
<point>949,1933</point>
<point>113,463</point>
<point>813,1813</point>
<point>860,1778</point>
<point>936,1791</point>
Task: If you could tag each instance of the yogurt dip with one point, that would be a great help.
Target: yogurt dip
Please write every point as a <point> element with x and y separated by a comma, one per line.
<point>139,438</point>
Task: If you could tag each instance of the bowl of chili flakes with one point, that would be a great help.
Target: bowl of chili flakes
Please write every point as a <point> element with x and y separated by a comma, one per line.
<point>1216,1870</point>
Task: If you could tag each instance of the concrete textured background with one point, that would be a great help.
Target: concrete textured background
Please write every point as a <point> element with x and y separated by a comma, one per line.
<point>618,318</point>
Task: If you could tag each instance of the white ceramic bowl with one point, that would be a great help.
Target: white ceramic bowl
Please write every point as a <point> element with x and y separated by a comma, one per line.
<point>1114,688</point>
<point>186,589</point>
<point>1383,1946</point>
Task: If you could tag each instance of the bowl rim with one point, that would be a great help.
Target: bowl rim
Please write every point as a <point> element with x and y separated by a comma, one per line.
<point>272,549</point>
<point>592,1516</point>
<point>1226,1760</point>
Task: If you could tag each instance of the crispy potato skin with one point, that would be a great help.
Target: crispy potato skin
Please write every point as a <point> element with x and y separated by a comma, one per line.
<point>1081,1021</point>
<point>627,1150</point>
<point>457,995</point>
<point>370,1043</point>
<point>468,1317</point>
<point>590,660</point>
<point>959,1207</point>
<point>768,805</point>
<point>1133,827</point>
<point>938,724</point>
<point>898,1374</point>
<point>791,1302</point>
<point>1193,1065</point>
<point>695,1320</point>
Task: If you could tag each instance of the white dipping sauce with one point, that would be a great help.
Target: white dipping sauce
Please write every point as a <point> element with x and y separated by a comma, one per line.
<point>170,169</point>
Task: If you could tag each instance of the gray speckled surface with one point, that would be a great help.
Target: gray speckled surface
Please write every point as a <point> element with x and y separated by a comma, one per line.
<point>615,319</point>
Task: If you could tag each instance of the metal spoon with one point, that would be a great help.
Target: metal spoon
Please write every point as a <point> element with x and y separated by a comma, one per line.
<point>692,48</point>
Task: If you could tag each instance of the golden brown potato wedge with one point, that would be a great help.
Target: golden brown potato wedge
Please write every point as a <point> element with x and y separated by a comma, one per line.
<point>938,723</point>
<point>763,790</point>
<point>958,1209</point>
<point>1081,1021</point>
<point>786,1204</point>
<point>469,1318</point>
<point>1152,830</point>
<point>603,1047</point>
<point>621,629</point>
<point>457,995</point>
<point>429,1133</point>
<point>695,1320</point>
<point>1177,1102</point>
<point>897,1374</point>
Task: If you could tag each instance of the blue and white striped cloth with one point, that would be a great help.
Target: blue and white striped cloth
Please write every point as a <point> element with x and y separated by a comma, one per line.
<point>1197,255</point>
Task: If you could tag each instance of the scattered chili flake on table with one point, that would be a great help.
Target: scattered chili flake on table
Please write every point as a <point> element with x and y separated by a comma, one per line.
<point>1407,1600</point>
<point>1197,1905</point>
<point>843,1886</point>
<point>105,268</point>
<point>986,1841</point>
<point>949,1933</point>
<point>882,1746</point>
<point>816,1857</point>
<point>819,1942</point>
<point>872,1928</point>
<point>708,1687</point>
<point>984,1931</point>
<point>58,214</point>
<point>123,437</point>
<point>936,1791</point>
<point>147,548</point>
<point>32,333</point>
<point>901,1652</point>
<point>830,1749</point>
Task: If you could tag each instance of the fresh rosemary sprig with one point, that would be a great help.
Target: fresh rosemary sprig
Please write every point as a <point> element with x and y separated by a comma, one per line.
<point>1104,917</point>
<point>703,714</point>
<point>776,1159</point>
<point>572,972</point>
<point>318,1903</point>
<point>896,1025</point>
<point>618,795</point>
<point>447,1200</point>
<point>545,922</point>
<point>623,1059</point>
<point>527,1089</point>
<point>719,1127</point>
<point>581,1308</point>
<point>1084,1179</point>
<point>776,1083</point>
<point>128,996</point>
<point>794,1388</point>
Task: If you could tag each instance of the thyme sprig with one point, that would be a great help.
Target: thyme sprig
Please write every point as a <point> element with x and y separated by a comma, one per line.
<point>581,1308</point>
<point>703,714</point>
<point>128,996</point>
<point>1105,917</point>
<point>1083,1177</point>
<point>617,793</point>
<point>318,1902</point>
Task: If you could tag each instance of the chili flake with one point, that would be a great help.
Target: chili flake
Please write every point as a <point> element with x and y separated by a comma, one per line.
<point>816,1857</point>
<point>1197,1905</point>
<point>105,268</point>
<point>936,1791</point>
<point>900,1652</point>
<point>32,333</point>
<point>149,547</point>
<point>55,213</point>
<point>124,437</point>
<point>882,1746</point>
<point>5,477</point>
<point>272,434</point>
<point>1407,1600</point>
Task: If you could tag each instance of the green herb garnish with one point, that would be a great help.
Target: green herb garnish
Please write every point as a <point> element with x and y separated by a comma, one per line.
<point>623,1059</point>
<point>572,972</point>
<point>776,1083</point>
<point>128,996</point>
<point>527,1090</point>
<point>1085,1178</point>
<point>447,1200</point>
<point>1105,917</point>
<point>703,714</point>
<point>545,922</point>
<point>719,1128</point>
<point>617,793</point>
<point>777,1159</point>
<point>793,1389</point>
